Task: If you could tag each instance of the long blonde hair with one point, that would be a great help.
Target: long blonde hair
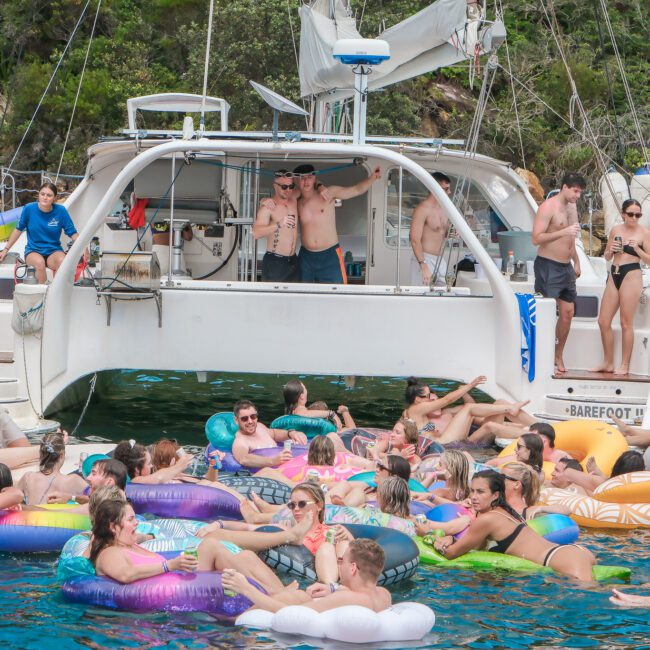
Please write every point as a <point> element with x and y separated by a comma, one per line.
<point>531,483</point>
<point>321,451</point>
<point>458,467</point>
<point>394,497</point>
<point>411,433</point>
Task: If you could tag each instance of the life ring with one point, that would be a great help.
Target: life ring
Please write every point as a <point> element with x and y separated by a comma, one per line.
<point>402,556</point>
<point>30,531</point>
<point>351,624</point>
<point>356,441</point>
<point>486,560</point>
<point>296,469</point>
<point>189,501</point>
<point>270,490</point>
<point>633,487</point>
<point>311,427</point>
<point>220,430</point>
<point>230,464</point>
<point>582,439</point>
<point>369,479</point>
<point>587,511</point>
<point>169,592</point>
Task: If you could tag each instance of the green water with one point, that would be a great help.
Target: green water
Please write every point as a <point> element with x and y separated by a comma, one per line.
<point>474,609</point>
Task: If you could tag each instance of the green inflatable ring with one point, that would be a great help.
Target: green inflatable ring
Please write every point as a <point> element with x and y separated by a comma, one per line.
<point>311,427</point>
<point>486,560</point>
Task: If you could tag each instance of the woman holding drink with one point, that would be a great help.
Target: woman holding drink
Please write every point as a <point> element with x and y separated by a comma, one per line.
<point>627,246</point>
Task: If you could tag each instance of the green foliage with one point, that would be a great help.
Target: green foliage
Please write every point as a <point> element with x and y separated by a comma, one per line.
<point>147,46</point>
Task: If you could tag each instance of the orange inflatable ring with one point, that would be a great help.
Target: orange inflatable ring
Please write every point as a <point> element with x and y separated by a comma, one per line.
<point>587,511</point>
<point>582,439</point>
<point>633,487</point>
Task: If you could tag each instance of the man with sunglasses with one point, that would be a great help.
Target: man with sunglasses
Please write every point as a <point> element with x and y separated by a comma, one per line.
<point>277,221</point>
<point>252,435</point>
<point>359,569</point>
<point>555,230</point>
<point>321,259</point>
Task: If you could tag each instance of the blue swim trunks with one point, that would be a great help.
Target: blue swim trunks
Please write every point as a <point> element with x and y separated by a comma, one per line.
<point>325,267</point>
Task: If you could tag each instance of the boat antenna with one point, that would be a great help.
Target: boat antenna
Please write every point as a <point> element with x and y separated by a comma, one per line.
<point>76,99</point>
<point>47,88</point>
<point>205,69</point>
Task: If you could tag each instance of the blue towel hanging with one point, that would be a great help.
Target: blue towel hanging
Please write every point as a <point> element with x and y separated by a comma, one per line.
<point>528,316</point>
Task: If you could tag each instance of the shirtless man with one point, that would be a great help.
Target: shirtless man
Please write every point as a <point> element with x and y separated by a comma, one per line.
<point>428,230</point>
<point>277,220</point>
<point>555,230</point>
<point>359,569</point>
<point>321,259</point>
<point>252,435</point>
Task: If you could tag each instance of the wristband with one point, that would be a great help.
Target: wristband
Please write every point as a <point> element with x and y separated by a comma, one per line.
<point>420,262</point>
<point>334,586</point>
<point>165,567</point>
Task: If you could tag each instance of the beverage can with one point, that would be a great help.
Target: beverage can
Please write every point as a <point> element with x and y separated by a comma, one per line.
<point>421,519</point>
<point>330,536</point>
<point>371,446</point>
<point>215,461</point>
<point>287,445</point>
<point>180,452</point>
<point>313,476</point>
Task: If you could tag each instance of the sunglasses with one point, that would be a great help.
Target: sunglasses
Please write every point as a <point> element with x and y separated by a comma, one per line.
<point>299,505</point>
<point>246,418</point>
<point>284,175</point>
<point>381,466</point>
<point>288,186</point>
<point>636,215</point>
<point>510,478</point>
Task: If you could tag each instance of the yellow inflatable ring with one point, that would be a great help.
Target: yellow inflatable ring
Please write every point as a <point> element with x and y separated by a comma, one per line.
<point>582,439</point>
<point>586,511</point>
<point>633,487</point>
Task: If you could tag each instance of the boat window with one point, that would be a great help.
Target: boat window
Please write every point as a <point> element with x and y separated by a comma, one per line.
<point>482,217</point>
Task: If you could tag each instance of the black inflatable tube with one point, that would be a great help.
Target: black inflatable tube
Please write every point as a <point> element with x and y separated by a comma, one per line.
<point>402,555</point>
<point>269,489</point>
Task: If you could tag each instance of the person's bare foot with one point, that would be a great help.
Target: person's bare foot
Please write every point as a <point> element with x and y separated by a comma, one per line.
<point>248,511</point>
<point>260,504</point>
<point>296,534</point>
<point>623,369</point>
<point>560,368</point>
<point>603,367</point>
<point>516,407</point>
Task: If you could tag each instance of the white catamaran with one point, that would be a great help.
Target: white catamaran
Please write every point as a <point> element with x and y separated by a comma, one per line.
<point>208,311</point>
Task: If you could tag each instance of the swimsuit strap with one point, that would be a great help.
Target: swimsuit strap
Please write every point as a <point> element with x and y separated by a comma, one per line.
<point>47,489</point>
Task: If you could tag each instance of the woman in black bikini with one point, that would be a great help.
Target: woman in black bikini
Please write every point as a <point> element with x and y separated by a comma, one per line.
<point>503,530</point>
<point>624,284</point>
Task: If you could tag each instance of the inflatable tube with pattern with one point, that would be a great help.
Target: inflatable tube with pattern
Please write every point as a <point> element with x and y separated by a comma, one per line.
<point>633,487</point>
<point>270,490</point>
<point>369,479</point>
<point>230,464</point>
<point>587,511</point>
<point>402,556</point>
<point>296,469</point>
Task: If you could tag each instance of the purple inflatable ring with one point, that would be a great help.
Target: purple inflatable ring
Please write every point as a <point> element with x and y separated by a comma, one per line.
<point>169,592</point>
<point>230,464</point>
<point>184,500</point>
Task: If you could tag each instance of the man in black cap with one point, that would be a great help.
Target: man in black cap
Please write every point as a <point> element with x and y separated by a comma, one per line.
<point>321,259</point>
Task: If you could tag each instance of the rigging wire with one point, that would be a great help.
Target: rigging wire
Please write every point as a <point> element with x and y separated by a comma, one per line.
<point>588,133</point>
<point>626,85</point>
<point>621,145</point>
<point>76,99</point>
<point>500,14</point>
<point>47,88</point>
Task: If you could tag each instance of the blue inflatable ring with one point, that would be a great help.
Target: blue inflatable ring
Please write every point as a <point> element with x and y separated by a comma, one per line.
<point>311,427</point>
<point>220,430</point>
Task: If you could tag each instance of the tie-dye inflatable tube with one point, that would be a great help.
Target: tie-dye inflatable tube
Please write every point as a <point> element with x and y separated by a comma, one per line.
<point>30,531</point>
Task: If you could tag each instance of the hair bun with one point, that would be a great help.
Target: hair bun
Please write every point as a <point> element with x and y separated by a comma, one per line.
<point>412,381</point>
